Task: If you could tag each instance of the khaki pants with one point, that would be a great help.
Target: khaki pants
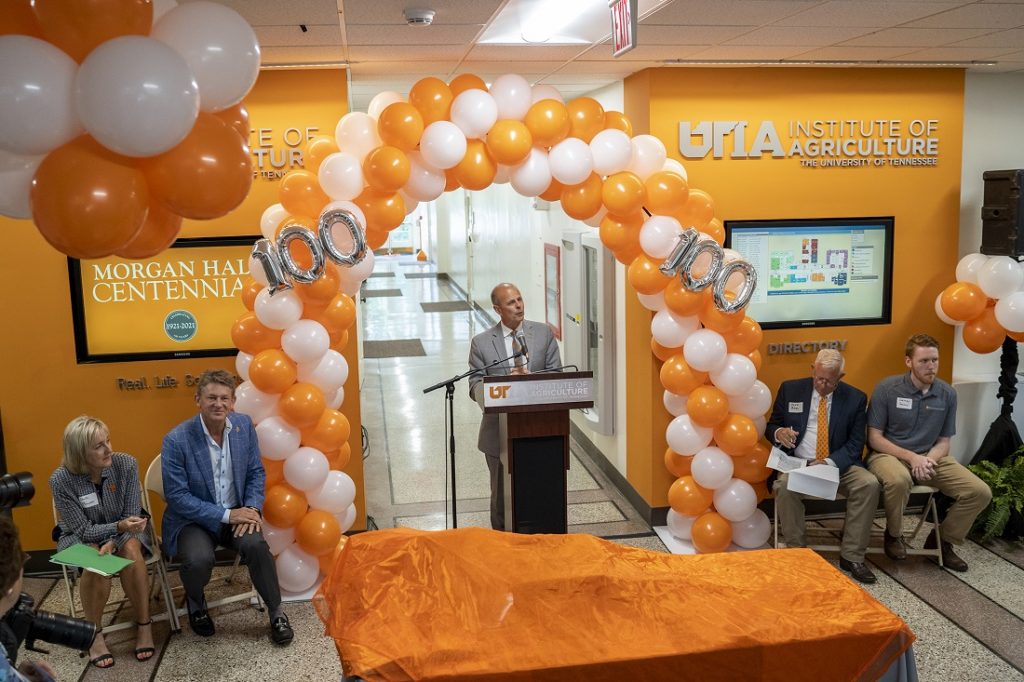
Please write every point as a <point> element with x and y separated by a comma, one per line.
<point>861,491</point>
<point>970,493</point>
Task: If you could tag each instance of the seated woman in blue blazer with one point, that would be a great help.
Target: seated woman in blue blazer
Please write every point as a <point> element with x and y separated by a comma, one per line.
<point>96,492</point>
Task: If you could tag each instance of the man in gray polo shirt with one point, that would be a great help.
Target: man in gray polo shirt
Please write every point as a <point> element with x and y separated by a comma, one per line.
<point>910,422</point>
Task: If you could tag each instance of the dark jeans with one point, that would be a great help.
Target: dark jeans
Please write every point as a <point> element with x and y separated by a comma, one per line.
<point>195,551</point>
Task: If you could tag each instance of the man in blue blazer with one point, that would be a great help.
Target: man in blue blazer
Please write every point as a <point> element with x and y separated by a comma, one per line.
<point>213,484</point>
<point>800,407</point>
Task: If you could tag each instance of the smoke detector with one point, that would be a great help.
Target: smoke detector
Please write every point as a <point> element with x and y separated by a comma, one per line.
<point>419,17</point>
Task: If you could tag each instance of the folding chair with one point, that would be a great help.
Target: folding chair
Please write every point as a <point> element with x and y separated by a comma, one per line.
<point>154,483</point>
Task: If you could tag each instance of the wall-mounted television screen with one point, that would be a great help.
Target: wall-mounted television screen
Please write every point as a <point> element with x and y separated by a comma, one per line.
<point>180,303</point>
<point>817,272</point>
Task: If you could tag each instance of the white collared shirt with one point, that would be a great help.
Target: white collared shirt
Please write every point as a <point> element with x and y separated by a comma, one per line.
<point>808,447</point>
<point>507,334</point>
<point>223,479</point>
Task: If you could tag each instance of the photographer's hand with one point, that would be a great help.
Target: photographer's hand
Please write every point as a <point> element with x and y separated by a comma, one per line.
<point>37,671</point>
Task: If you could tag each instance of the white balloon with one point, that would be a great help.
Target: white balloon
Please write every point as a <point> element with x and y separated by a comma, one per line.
<point>356,134</point>
<point>341,176</point>
<point>410,204</point>
<point>711,468</point>
<point>941,314</point>
<point>736,500</point>
<point>671,330</point>
<point>136,96</point>
<point>760,424</point>
<point>753,531</point>
<point>571,162</point>
<point>1000,276</point>
<point>328,374</point>
<point>1010,312</point>
<point>474,112</point>
<point>37,113</point>
<point>278,539</point>
<point>704,350</point>
<point>256,271</point>
<point>513,96</point>
<point>255,403</point>
<point>531,177</point>
<point>648,156</point>
<point>306,469</point>
<point>658,236</point>
<point>595,220</point>
<point>679,525</point>
<point>381,101</point>
<point>162,7</point>
<point>735,376</point>
<point>443,144</point>
<point>297,571</point>
<point>426,182</point>
<point>674,403</point>
<point>339,233</point>
<point>360,271</point>
<point>611,150</point>
<point>968,267</point>
<point>685,437</point>
<point>242,362</point>
<point>675,167</point>
<point>305,341</point>
<point>752,403</point>
<point>347,519</point>
<point>278,439</point>
<point>540,92</point>
<point>335,400</point>
<point>335,495</point>
<point>653,302</point>
<point>16,173</point>
<point>220,48</point>
<point>278,311</point>
<point>272,218</point>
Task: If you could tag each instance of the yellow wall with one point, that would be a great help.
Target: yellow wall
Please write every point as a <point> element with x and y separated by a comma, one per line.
<point>42,387</point>
<point>924,201</point>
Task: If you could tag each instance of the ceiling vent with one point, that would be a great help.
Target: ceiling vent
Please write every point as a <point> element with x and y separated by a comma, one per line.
<point>419,17</point>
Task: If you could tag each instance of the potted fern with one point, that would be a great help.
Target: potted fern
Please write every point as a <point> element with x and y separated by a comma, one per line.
<point>1007,484</point>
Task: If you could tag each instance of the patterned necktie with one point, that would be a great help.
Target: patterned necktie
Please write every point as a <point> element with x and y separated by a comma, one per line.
<point>821,449</point>
<point>517,348</point>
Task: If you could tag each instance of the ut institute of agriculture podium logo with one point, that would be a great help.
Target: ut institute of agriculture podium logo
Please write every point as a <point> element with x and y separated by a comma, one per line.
<point>498,392</point>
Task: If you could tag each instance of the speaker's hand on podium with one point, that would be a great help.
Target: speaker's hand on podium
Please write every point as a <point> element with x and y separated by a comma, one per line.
<point>521,370</point>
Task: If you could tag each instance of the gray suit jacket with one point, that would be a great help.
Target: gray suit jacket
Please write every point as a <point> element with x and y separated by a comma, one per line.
<point>489,346</point>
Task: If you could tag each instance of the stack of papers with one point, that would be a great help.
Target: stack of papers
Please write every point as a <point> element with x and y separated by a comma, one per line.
<point>821,481</point>
<point>90,559</point>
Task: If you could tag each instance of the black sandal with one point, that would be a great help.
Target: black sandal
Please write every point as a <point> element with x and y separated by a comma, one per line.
<point>102,658</point>
<point>143,654</point>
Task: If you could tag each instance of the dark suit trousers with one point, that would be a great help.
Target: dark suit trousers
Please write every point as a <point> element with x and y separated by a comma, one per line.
<point>196,546</point>
<point>497,492</point>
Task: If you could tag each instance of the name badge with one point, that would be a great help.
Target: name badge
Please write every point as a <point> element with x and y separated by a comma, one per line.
<point>796,408</point>
<point>89,500</point>
<point>904,404</point>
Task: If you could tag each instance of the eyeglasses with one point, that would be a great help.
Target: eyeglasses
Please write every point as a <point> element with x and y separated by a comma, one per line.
<point>823,381</point>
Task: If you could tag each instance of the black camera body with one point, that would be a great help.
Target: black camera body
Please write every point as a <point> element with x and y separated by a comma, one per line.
<point>16,490</point>
<point>24,624</point>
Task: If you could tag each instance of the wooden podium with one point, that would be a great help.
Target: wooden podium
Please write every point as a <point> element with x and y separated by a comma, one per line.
<point>533,411</point>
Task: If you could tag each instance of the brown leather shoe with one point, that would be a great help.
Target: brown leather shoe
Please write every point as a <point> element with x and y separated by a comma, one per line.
<point>950,559</point>
<point>895,547</point>
<point>859,570</point>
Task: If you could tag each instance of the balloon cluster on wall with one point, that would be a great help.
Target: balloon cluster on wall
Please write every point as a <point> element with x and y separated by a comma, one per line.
<point>986,302</point>
<point>118,118</point>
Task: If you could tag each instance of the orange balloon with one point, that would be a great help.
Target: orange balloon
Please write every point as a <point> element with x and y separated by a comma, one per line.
<point>715,230</point>
<point>318,532</point>
<point>623,193</point>
<point>466,81</point>
<point>300,194</point>
<point>666,192</point>
<point>157,234</point>
<point>663,353</point>
<point>984,334</point>
<point>707,406</point>
<point>77,27</point>
<point>1016,336</point>
<point>272,371</point>
<point>553,192</point>
<point>383,211</point>
<point>618,232</point>
<point>386,168</point>
<point>301,405</point>
<point>697,211</point>
<point>755,358</point>
<point>88,202</point>
<point>688,498</point>
<point>339,460</point>
<point>250,335</point>
<point>330,431</point>
<point>375,238</point>
<point>451,183</point>
<point>616,120</point>
<point>963,301</point>
<point>19,19</point>
<point>207,175</point>
<point>711,533</point>
<point>250,288</point>
<point>323,288</point>
<point>509,142</point>
<point>477,169</point>
<point>548,122</point>
<point>677,465</point>
<point>432,98</point>
<point>682,301</point>
<point>761,490</point>
<point>339,340</point>
<point>298,249</point>
<point>586,116</point>
<point>284,506</point>
<point>318,149</point>
<point>736,434</point>
<point>274,471</point>
<point>238,118</point>
<point>327,561</point>
<point>752,466</point>
<point>401,125</point>
<point>644,276</point>
<point>628,254</point>
<point>679,378</point>
<point>713,318</point>
<point>339,315</point>
<point>745,338</point>
<point>583,200</point>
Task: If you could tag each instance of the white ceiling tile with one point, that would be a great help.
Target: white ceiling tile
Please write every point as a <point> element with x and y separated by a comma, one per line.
<point>647,34</point>
<point>916,37</point>
<point>851,53</point>
<point>513,53</point>
<point>381,35</point>
<point>412,72</point>
<point>301,55</point>
<point>956,54</point>
<point>283,36</point>
<point>761,52</point>
<point>1012,38</point>
<point>728,12</point>
<point>447,11</point>
<point>976,16</point>
<point>277,13</point>
<point>618,69</point>
<point>643,53</point>
<point>410,53</point>
<point>865,13</point>
<point>796,35</point>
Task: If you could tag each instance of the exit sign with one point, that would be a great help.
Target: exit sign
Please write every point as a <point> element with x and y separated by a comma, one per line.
<point>623,25</point>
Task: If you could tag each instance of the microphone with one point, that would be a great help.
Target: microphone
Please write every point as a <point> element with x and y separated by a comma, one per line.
<point>521,338</point>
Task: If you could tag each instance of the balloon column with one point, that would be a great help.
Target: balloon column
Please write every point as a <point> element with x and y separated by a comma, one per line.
<point>986,301</point>
<point>118,120</point>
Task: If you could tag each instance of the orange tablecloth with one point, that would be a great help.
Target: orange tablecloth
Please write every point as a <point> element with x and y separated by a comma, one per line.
<point>477,604</point>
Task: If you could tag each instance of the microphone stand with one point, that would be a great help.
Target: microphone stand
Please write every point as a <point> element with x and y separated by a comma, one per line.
<point>449,406</point>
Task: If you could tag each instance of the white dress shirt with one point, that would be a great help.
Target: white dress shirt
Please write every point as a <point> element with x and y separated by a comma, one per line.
<point>808,447</point>
<point>223,479</point>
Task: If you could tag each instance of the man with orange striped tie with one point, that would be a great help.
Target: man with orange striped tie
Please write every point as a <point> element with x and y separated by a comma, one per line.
<point>823,420</point>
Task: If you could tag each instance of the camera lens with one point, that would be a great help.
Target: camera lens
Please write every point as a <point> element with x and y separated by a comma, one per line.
<point>16,490</point>
<point>57,629</point>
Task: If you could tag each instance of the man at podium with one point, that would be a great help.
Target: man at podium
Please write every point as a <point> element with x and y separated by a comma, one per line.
<point>518,346</point>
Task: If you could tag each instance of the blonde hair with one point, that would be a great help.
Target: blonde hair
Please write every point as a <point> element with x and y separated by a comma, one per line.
<point>78,435</point>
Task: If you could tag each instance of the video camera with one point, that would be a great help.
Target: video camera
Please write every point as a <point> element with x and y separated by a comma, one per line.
<point>23,623</point>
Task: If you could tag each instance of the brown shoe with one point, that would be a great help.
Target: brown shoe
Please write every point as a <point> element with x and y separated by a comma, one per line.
<point>858,569</point>
<point>895,547</point>
<point>950,559</point>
